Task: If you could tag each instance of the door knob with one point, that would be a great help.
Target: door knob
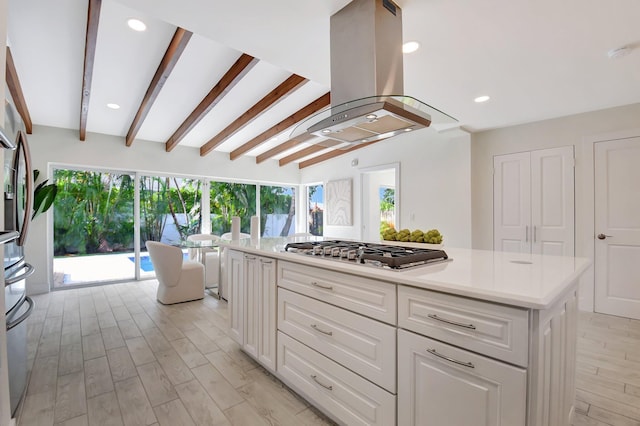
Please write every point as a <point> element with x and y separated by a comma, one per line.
<point>603,236</point>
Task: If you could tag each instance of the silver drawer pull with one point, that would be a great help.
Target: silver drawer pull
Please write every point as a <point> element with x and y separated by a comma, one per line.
<point>455,361</point>
<point>326,287</point>
<point>265,261</point>
<point>315,379</point>
<point>249,257</point>
<point>459,324</point>
<point>315,327</point>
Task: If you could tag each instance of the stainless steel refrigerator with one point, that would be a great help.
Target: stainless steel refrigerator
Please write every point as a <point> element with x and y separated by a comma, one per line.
<point>18,199</point>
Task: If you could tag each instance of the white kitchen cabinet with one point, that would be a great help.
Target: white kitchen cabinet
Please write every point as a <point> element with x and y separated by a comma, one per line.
<point>497,331</point>
<point>252,305</point>
<point>235,279</point>
<point>342,394</point>
<point>363,345</point>
<point>439,384</point>
<point>533,202</point>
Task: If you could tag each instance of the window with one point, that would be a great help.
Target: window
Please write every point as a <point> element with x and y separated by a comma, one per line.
<point>231,199</point>
<point>315,209</point>
<point>277,211</point>
<point>169,208</point>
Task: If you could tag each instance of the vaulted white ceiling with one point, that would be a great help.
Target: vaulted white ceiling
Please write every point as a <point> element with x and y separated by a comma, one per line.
<point>536,60</point>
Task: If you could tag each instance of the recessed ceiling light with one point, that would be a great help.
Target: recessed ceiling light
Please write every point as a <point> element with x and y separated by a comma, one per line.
<point>480,99</point>
<point>136,24</point>
<point>113,106</point>
<point>410,47</point>
<point>326,131</point>
<point>619,52</point>
<point>408,129</point>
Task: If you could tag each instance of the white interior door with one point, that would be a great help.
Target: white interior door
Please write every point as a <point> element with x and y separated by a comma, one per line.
<point>512,202</point>
<point>617,227</point>
<point>552,201</point>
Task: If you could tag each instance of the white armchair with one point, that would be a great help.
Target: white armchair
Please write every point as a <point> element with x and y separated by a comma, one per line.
<point>209,257</point>
<point>178,280</point>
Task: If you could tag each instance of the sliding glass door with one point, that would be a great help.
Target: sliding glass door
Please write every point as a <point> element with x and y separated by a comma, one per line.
<point>93,229</point>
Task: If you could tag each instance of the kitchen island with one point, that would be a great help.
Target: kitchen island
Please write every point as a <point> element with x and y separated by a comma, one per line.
<point>483,338</point>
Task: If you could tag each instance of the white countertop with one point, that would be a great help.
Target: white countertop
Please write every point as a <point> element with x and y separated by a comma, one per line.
<point>524,280</point>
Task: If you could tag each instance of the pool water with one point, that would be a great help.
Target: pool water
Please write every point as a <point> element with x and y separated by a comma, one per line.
<point>145,262</point>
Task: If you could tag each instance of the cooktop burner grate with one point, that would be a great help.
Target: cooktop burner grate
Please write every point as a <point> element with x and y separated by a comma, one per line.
<point>382,255</point>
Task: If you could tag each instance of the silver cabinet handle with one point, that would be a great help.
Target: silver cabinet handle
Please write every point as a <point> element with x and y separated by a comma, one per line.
<point>326,287</point>
<point>249,257</point>
<point>315,327</point>
<point>535,232</point>
<point>526,234</point>
<point>315,379</point>
<point>455,361</point>
<point>266,261</point>
<point>459,324</point>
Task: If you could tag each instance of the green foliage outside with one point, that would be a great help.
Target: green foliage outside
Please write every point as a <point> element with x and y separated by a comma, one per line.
<point>387,201</point>
<point>277,200</point>
<point>228,200</point>
<point>93,211</point>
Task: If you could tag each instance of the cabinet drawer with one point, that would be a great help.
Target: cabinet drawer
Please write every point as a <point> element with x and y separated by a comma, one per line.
<point>361,344</point>
<point>368,297</point>
<point>495,330</point>
<point>439,384</point>
<point>346,396</point>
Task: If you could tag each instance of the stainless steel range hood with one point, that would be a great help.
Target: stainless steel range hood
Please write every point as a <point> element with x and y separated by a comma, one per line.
<point>367,101</point>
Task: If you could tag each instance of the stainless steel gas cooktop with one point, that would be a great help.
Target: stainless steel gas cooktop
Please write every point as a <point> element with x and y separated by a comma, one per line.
<point>381,255</point>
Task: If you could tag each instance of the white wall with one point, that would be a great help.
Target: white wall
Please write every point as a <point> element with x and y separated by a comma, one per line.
<point>62,147</point>
<point>434,182</point>
<point>574,130</point>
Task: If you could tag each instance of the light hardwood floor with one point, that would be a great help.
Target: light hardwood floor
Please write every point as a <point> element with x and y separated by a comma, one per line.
<point>608,371</point>
<point>112,355</point>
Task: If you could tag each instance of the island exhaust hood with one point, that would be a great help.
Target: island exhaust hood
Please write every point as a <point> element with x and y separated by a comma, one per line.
<point>367,101</point>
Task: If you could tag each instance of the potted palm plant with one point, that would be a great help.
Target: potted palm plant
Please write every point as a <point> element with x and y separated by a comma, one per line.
<point>43,195</point>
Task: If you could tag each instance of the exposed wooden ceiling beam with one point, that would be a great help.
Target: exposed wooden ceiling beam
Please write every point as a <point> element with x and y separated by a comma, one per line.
<point>283,147</point>
<point>178,43</point>
<point>93,17</point>
<point>237,71</point>
<point>13,82</point>
<point>289,85</point>
<point>331,154</point>
<point>294,118</point>
<point>300,154</point>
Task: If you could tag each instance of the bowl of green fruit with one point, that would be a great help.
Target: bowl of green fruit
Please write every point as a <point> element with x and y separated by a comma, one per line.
<point>416,238</point>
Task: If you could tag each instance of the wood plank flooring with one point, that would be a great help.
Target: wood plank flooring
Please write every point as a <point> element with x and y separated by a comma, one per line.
<point>112,355</point>
<point>608,371</point>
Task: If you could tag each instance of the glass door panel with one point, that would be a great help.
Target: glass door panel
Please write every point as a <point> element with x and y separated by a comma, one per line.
<point>228,200</point>
<point>93,227</point>
<point>277,211</point>
<point>169,212</point>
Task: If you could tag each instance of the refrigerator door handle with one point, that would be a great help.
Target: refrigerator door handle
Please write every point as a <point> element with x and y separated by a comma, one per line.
<point>19,277</point>
<point>28,205</point>
<point>17,321</point>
